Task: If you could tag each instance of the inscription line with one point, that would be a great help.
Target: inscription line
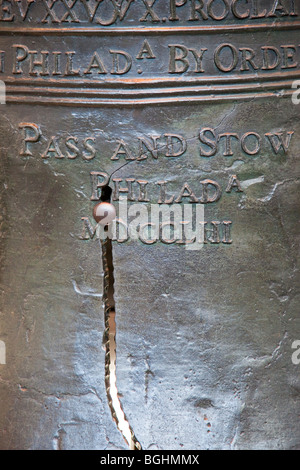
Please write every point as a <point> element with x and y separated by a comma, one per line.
<point>94,102</point>
<point>158,91</point>
<point>158,82</point>
<point>206,29</point>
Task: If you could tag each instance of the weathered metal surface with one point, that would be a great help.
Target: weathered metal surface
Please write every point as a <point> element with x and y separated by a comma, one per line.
<point>201,108</point>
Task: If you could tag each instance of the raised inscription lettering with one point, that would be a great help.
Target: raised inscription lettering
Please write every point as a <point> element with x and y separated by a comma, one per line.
<point>111,12</point>
<point>167,145</point>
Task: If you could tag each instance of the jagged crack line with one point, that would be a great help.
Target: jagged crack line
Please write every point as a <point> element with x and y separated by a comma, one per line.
<point>110,350</point>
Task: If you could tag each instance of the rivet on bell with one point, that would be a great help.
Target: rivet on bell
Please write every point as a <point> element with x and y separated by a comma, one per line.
<point>104,213</point>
